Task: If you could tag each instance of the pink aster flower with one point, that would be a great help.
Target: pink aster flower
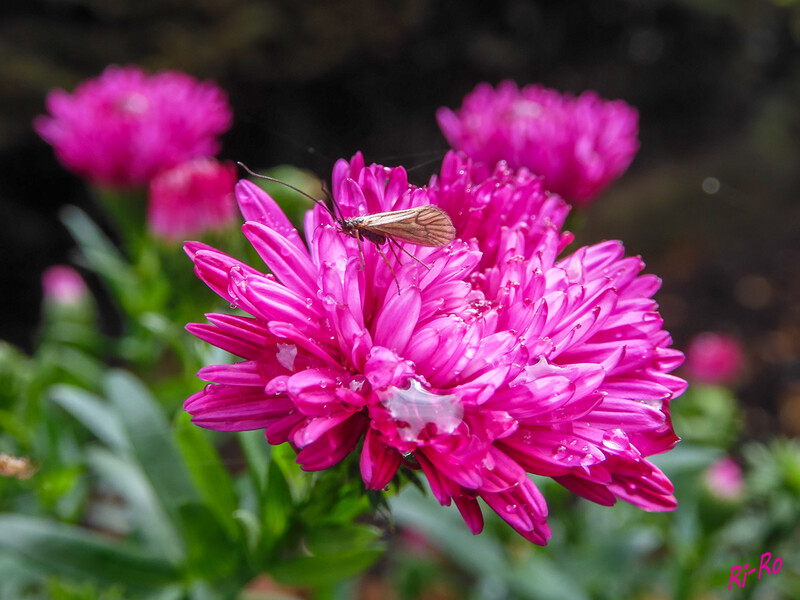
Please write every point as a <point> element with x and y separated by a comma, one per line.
<point>123,127</point>
<point>192,198</point>
<point>579,145</point>
<point>714,358</point>
<point>485,367</point>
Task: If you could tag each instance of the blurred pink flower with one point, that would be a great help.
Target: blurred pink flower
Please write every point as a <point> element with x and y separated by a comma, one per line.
<point>724,479</point>
<point>478,372</point>
<point>63,285</point>
<point>121,128</point>
<point>579,145</point>
<point>192,198</point>
<point>714,358</point>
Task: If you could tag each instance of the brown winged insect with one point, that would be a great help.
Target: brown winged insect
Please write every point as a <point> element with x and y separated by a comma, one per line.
<point>426,225</point>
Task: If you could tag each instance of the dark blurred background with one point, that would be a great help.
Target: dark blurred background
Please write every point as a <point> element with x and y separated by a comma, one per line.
<point>711,202</point>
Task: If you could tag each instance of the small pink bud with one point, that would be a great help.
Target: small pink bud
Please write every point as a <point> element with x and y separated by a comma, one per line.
<point>724,479</point>
<point>63,285</point>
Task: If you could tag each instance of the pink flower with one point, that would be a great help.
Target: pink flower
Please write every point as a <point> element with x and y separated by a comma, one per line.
<point>714,358</point>
<point>123,127</point>
<point>192,198</point>
<point>63,285</point>
<point>579,145</point>
<point>724,480</point>
<point>484,368</point>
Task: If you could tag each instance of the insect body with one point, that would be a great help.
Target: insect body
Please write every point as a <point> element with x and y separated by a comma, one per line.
<point>422,225</point>
<point>426,225</point>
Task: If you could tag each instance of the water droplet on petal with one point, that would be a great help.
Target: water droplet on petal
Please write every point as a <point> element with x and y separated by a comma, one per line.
<point>211,388</point>
<point>560,452</point>
<point>616,439</point>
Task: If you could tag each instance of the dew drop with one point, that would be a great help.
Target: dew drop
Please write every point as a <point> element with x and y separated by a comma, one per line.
<point>560,452</point>
<point>511,508</point>
<point>210,388</point>
<point>616,439</point>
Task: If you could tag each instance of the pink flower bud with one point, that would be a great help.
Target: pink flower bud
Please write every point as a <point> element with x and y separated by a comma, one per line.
<point>63,285</point>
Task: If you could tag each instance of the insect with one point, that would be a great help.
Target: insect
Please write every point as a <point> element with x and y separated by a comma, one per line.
<point>426,225</point>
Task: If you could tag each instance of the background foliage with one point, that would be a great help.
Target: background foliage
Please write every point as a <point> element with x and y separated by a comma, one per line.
<point>710,203</point>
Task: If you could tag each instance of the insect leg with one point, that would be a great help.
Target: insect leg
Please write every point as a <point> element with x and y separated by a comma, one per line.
<point>388,264</point>
<point>390,241</point>
<point>409,253</point>
<point>361,250</point>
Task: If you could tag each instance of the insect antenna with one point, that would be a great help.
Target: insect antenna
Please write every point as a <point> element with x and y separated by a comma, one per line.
<point>298,190</point>
<point>333,202</point>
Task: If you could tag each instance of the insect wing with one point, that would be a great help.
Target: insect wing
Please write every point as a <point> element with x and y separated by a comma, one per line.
<point>423,225</point>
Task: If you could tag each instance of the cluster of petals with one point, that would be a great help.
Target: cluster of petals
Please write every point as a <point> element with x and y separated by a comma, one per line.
<point>578,144</point>
<point>479,363</point>
<point>192,198</point>
<point>121,128</point>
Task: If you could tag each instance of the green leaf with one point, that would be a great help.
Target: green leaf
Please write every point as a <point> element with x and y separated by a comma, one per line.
<point>61,550</point>
<point>316,571</point>
<point>98,251</point>
<point>257,453</point>
<point>277,504</point>
<point>336,540</point>
<point>686,458</point>
<point>15,575</point>
<point>444,526</point>
<point>151,438</point>
<point>541,578</point>
<point>93,413</point>
<point>210,476</point>
<point>252,528</point>
<point>212,553</point>
<point>130,482</point>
